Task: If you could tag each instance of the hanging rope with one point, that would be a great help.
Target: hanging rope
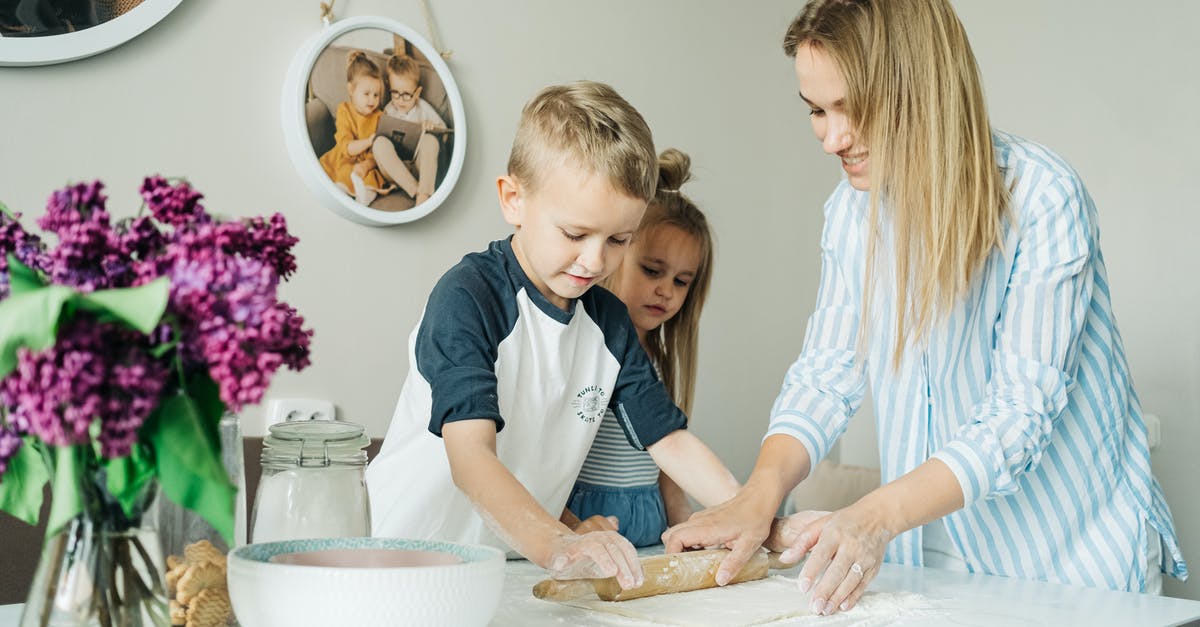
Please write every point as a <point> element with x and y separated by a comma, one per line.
<point>433,37</point>
<point>327,11</point>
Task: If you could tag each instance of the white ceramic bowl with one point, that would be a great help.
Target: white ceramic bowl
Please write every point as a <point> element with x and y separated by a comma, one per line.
<point>394,582</point>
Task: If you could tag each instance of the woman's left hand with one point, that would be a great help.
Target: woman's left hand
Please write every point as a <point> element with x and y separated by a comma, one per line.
<point>844,550</point>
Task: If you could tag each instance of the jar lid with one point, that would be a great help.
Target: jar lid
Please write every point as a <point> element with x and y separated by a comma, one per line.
<point>315,443</point>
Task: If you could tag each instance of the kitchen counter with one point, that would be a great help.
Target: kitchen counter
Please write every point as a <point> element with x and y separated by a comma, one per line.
<point>948,599</point>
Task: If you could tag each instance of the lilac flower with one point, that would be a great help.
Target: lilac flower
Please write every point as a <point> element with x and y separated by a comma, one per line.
<point>94,372</point>
<point>177,205</point>
<point>72,205</point>
<point>27,247</point>
<point>10,442</point>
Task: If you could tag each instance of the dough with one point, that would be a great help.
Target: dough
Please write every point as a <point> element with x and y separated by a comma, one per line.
<point>769,600</point>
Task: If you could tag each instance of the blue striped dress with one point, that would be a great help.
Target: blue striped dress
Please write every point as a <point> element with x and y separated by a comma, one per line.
<point>1022,390</point>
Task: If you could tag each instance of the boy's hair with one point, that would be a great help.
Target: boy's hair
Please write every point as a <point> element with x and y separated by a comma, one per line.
<point>405,66</point>
<point>591,126</point>
<point>359,64</point>
<point>914,95</point>
<point>674,346</point>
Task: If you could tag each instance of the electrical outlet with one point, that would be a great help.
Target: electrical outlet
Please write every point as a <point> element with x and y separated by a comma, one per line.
<point>284,409</point>
<point>1153,430</point>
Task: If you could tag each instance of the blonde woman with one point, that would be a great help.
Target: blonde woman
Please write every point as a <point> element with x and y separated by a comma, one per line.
<point>962,278</point>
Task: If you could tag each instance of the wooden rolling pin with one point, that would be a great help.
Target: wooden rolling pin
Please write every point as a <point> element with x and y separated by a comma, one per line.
<point>664,574</point>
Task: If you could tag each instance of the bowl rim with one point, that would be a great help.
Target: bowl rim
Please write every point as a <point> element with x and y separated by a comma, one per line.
<point>489,554</point>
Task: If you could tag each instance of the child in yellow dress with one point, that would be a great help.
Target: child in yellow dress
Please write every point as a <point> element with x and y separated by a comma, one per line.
<point>350,162</point>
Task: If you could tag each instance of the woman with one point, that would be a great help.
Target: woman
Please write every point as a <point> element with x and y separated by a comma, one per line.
<point>962,277</point>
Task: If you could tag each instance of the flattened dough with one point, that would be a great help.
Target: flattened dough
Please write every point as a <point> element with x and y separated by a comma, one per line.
<point>758,602</point>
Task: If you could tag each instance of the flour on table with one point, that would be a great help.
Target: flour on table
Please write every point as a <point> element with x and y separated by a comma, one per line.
<point>774,600</point>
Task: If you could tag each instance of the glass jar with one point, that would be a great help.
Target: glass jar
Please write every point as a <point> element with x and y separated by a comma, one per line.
<point>313,482</point>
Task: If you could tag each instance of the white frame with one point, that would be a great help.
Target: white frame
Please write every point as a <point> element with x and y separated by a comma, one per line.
<point>48,49</point>
<point>299,145</point>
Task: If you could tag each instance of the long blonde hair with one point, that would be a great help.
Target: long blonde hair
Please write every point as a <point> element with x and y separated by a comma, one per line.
<point>914,93</point>
<point>674,345</point>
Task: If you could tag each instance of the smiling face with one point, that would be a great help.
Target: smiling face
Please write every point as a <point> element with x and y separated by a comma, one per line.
<point>657,274</point>
<point>571,231</point>
<point>364,94</point>
<point>824,89</point>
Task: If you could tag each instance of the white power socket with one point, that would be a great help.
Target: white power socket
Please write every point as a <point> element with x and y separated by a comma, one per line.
<point>1153,430</point>
<point>283,409</point>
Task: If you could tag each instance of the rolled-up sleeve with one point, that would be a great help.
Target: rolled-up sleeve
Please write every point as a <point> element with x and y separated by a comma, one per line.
<point>1036,343</point>
<point>825,385</point>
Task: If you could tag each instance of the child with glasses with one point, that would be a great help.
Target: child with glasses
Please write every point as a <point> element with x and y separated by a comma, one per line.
<point>415,174</point>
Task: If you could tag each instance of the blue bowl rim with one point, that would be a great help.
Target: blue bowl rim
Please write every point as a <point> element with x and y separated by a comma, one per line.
<point>261,553</point>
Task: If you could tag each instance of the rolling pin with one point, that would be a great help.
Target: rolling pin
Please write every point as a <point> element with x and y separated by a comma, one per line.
<point>664,574</point>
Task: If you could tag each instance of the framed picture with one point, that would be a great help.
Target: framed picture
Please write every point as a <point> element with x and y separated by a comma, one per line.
<point>373,121</point>
<point>41,32</point>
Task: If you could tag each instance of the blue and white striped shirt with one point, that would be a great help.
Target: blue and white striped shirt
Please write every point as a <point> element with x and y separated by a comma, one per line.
<point>1022,390</point>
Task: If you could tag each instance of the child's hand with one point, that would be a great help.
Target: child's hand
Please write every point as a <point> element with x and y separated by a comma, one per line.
<point>597,523</point>
<point>596,555</point>
<point>361,169</point>
<point>786,533</point>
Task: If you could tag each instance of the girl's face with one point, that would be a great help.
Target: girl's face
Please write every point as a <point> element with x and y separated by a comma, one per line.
<point>656,275</point>
<point>824,89</point>
<point>364,94</point>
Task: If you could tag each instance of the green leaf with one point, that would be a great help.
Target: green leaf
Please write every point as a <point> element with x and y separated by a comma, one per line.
<point>67,502</point>
<point>21,277</point>
<point>22,485</point>
<point>127,478</point>
<point>187,457</point>
<point>31,318</point>
<point>140,307</point>
<point>5,210</point>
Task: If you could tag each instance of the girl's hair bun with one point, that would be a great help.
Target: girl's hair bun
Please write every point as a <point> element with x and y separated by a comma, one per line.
<point>674,169</point>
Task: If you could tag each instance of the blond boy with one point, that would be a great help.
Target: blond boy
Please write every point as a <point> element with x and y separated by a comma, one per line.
<point>518,355</point>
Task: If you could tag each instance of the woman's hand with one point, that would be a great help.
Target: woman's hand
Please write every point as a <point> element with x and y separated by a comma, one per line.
<point>596,555</point>
<point>739,524</point>
<point>844,550</point>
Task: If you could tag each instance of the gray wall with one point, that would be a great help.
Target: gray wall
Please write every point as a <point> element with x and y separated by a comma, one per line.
<point>198,96</point>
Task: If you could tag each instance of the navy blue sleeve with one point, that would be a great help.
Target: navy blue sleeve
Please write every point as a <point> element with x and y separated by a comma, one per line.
<point>640,401</point>
<point>456,347</point>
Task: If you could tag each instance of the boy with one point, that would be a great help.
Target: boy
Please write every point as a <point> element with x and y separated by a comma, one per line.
<point>516,357</point>
<point>405,103</point>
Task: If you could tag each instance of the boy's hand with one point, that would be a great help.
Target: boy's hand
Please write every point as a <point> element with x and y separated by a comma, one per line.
<point>596,555</point>
<point>597,523</point>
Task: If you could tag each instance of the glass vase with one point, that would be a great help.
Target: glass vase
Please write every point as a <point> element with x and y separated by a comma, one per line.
<point>103,569</point>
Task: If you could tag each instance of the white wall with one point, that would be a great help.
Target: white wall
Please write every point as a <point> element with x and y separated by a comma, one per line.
<point>198,96</point>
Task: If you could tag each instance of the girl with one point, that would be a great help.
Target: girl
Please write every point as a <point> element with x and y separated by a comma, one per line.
<point>663,281</point>
<point>350,163</point>
<point>961,273</point>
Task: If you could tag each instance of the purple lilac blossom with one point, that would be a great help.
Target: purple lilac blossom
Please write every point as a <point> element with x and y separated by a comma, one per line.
<point>177,205</point>
<point>94,372</point>
<point>10,443</point>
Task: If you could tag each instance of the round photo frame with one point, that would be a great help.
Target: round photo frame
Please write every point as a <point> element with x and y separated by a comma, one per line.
<point>83,42</point>
<point>317,109</point>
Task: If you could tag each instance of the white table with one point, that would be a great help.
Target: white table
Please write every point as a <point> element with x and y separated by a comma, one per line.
<point>961,599</point>
<point>958,598</point>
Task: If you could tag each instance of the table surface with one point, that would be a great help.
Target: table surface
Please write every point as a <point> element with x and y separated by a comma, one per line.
<point>954,599</point>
